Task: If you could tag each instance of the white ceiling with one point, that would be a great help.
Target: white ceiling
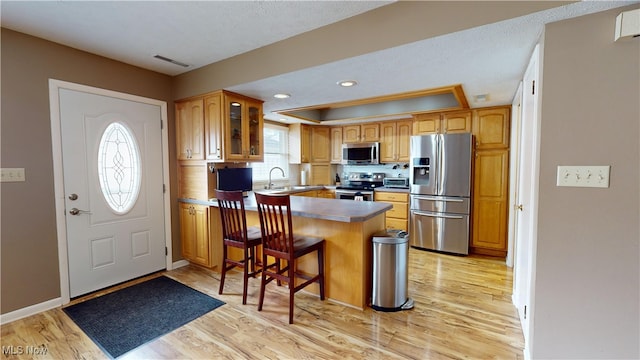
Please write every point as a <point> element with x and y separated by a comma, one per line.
<point>486,60</point>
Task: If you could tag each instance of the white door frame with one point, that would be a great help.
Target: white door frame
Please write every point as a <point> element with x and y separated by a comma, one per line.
<point>56,145</point>
<point>524,275</point>
<point>514,165</point>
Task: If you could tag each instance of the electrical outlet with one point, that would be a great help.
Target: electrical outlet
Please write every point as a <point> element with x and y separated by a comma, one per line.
<point>12,175</point>
<point>583,176</point>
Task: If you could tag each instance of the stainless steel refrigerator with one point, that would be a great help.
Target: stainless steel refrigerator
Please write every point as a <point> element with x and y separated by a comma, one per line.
<point>440,186</point>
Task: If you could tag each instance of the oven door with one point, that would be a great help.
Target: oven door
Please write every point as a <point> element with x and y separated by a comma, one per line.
<point>361,195</point>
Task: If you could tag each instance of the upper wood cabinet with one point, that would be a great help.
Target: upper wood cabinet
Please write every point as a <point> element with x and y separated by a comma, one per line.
<point>394,141</point>
<point>213,126</point>
<point>442,123</point>
<point>190,130</point>
<point>219,126</point>
<point>491,128</point>
<point>320,144</point>
<point>361,133</point>
<point>336,145</point>
<point>299,143</point>
<point>456,122</point>
<point>309,144</point>
<point>243,126</point>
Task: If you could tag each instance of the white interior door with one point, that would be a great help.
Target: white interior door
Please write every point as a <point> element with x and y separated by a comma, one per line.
<point>113,188</point>
<point>525,202</point>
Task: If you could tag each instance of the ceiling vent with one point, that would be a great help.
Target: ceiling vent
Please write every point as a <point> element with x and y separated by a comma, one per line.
<point>628,25</point>
<point>170,60</point>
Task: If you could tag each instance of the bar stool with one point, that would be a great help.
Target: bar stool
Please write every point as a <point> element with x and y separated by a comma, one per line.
<point>235,233</point>
<point>279,242</point>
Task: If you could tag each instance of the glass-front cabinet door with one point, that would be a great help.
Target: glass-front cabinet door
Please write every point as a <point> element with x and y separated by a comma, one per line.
<point>244,135</point>
<point>234,145</point>
<point>254,114</point>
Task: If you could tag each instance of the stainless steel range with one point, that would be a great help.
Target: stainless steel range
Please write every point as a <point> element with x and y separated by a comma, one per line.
<point>359,186</point>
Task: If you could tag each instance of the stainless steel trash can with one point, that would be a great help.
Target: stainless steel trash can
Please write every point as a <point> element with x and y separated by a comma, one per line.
<point>389,271</point>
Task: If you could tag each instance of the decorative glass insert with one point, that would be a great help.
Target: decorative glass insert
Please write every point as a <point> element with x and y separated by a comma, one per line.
<point>119,167</point>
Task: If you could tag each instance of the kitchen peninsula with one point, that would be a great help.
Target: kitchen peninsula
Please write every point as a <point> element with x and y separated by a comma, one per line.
<point>346,225</point>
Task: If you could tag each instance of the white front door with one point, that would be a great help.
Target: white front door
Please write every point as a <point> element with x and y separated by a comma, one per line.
<point>112,161</point>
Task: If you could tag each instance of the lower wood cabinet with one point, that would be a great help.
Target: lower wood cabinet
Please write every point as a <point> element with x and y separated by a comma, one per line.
<point>310,193</point>
<point>490,202</point>
<point>327,194</point>
<point>323,193</point>
<point>397,217</point>
<point>194,233</point>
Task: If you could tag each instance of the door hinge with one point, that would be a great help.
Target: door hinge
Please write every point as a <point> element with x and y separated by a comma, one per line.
<point>533,87</point>
<point>164,188</point>
<point>166,251</point>
<point>525,311</point>
<point>161,124</point>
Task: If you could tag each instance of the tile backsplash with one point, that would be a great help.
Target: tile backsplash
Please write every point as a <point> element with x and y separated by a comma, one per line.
<point>390,170</point>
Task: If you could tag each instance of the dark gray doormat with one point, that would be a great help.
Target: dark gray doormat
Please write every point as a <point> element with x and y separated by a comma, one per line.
<point>125,319</point>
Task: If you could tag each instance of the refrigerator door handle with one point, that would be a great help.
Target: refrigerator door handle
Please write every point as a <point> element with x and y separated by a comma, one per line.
<point>437,198</point>
<point>438,215</point>
<point>438,164</point>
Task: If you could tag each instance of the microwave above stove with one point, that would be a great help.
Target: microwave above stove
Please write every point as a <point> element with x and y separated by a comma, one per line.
<point>361,153</point>
<point>396,182</point>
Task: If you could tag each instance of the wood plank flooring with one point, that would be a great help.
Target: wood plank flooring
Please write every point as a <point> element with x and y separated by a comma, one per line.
<point>462,310</point>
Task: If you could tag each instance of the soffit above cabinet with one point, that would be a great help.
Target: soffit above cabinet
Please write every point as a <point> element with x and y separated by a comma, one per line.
<point>389,107</point>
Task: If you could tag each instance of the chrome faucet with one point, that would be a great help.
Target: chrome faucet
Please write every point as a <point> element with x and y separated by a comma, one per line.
<point>270,171</point>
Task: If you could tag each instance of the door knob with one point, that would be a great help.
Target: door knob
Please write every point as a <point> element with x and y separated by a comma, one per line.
<point>73,197</point>
<point>76,211</point>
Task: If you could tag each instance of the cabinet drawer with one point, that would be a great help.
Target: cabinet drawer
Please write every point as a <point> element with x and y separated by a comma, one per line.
<point>396,224</point>
<point>391,196</point>
<point>398,211</point>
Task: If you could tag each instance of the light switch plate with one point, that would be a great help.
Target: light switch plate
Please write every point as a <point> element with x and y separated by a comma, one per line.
<point>583,176</point>
<point>12,175</point>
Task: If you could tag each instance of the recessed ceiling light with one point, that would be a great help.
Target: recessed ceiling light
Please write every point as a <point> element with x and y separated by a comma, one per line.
<point>281,96</point>
<point>347,83</point>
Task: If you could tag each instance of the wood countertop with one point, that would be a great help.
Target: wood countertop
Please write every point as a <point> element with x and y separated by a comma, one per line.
<point>318,208</point>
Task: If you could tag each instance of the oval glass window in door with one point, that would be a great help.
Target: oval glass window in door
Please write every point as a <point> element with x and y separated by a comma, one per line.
<point>119,168</point>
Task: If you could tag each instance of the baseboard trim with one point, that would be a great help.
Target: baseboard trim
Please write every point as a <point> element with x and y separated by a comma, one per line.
<point>30,310</point>
<point>51,304</point>
<point>180,263</point>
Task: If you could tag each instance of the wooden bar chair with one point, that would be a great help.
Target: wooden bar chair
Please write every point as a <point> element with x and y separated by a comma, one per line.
<point>235,233</point>
<point>280,243</point>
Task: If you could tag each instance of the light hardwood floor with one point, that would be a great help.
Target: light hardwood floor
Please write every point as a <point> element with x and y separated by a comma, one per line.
<point>462,310</point>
